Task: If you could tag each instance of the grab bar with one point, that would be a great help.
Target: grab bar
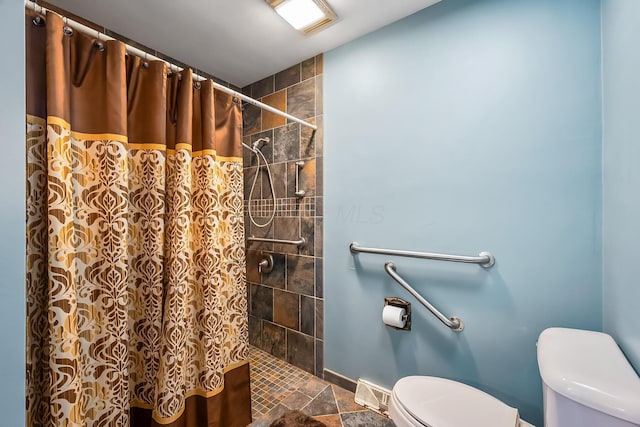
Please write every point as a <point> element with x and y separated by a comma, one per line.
<point>453,323</point>
<point>299,193</point>
<point>485,259</point>
<point>299,243</point>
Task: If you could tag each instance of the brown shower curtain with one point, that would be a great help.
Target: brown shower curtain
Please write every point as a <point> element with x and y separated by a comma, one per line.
<point>137,311</point>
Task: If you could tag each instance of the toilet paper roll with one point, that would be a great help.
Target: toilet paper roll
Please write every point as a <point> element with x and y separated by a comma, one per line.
<point>394,316</point>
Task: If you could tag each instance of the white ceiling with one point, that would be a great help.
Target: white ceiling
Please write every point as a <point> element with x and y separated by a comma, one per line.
<point>240,41</point>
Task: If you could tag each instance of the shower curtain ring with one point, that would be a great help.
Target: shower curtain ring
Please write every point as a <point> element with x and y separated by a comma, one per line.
<point>67,30</point>
<point>98,44</point>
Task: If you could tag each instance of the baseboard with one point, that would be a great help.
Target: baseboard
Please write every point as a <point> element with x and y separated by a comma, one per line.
<point>340,380</point>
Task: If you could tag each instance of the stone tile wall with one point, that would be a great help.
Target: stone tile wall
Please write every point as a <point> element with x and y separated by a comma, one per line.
<point>286,305</point>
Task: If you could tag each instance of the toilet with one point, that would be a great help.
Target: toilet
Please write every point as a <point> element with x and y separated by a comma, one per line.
<point>587,382</point>
<point>438,402</point>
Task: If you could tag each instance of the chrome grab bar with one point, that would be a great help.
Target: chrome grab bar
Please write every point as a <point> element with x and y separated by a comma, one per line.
<point>453,323</point>
<point>485,259</point>
<point>299,193</point>
<point>299,243</point>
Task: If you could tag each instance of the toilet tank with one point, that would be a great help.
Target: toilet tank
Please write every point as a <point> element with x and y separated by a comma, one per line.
<point>586,380</point>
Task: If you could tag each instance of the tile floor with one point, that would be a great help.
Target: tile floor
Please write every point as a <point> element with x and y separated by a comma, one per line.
<point>277,387</point>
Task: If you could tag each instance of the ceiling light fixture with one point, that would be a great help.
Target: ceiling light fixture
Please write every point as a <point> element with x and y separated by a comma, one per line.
<point>305,16</point>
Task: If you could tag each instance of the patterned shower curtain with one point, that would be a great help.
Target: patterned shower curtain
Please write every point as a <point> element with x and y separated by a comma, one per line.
<point>137,311</point>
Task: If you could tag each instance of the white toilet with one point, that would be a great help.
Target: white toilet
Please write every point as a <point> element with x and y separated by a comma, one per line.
<point>587,382</point>
<point>438,402</point>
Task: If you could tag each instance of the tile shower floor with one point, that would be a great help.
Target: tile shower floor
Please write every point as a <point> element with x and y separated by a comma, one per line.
<point>277,387</point>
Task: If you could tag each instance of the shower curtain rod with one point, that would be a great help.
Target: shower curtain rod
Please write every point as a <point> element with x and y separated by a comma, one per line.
<point>148,57</point>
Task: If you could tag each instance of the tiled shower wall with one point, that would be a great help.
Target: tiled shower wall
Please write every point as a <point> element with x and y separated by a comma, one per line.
<point>286,305</point>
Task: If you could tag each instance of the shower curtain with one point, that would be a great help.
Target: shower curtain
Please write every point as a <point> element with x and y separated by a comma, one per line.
<point>136,302</point>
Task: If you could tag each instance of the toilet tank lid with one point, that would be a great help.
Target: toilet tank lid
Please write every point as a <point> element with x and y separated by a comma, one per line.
<point>589,368</point>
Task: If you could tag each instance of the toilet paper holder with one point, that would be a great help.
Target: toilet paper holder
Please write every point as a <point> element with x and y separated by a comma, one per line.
<point>399,302</point>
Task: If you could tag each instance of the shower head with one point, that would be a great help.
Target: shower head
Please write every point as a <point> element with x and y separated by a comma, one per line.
<point>258,144</point>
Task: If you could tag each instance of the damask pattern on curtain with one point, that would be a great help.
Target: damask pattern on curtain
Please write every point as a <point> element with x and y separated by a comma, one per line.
<point>137,311</point>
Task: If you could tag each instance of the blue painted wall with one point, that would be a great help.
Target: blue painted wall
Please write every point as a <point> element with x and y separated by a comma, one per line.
<point>469,126</point>
<point>12,217</point>
<point>621,173</point>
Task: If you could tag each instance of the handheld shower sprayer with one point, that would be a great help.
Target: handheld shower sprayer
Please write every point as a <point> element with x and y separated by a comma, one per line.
<point>255,149</point>
<point>259,143</point>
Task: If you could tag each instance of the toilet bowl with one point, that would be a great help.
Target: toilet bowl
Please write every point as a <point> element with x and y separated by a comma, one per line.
<point>439,402</point>
<point>586,382</point>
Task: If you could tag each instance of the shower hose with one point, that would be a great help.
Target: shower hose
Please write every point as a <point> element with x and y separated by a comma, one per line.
<point>259,154</point>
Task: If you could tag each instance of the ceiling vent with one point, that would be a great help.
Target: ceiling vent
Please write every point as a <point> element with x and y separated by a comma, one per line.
<point>306,16</point>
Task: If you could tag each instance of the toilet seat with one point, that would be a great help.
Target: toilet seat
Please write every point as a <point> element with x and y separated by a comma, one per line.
<point>439,402</point>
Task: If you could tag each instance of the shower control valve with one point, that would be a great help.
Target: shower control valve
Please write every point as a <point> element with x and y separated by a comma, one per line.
<point>265,265</point>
